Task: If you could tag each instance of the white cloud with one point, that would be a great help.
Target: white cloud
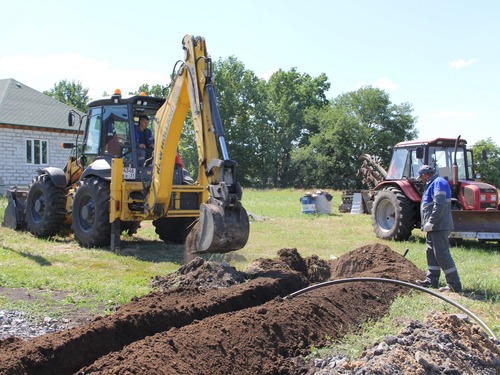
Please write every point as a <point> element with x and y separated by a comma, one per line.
<point>453,114</point>
<point>461,63</point>
<point>381,83</point>
<point>266,75</point>
<point>359,85</point>
<point>385,84</point>
<point>41,73</point>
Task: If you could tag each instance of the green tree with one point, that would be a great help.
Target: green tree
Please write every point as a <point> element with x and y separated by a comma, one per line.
<point>487,161</point>
<point>289,96</point>
<point>71,93</point>
<point>239,97</point>
<point>356,123</point>
<point>240,101</point>
<point>155,90</point>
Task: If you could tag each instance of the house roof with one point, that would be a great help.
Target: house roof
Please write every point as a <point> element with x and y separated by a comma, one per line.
<point>22,105</point>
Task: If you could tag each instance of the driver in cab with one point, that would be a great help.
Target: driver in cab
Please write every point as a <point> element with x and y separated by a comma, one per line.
<point>144,140</point>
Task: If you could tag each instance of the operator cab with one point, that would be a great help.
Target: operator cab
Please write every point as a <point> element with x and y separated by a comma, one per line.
<point>110,133</point>
<point>438,153</point>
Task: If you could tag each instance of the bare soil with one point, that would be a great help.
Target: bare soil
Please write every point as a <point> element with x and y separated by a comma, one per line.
<point>208,318</point>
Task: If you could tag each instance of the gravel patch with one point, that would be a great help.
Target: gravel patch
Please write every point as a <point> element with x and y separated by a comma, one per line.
<point>18,324</point>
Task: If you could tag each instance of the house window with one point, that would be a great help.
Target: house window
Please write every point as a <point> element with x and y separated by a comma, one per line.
<point>37,151</point>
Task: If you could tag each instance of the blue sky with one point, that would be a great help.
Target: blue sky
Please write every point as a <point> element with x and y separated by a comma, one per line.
<point>443,57</point>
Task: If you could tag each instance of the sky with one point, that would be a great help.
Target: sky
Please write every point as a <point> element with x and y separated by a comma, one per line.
<point>442,57</point>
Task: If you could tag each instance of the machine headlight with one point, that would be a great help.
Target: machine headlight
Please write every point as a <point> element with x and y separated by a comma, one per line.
<point>483,197</point>
<point>493,198</point>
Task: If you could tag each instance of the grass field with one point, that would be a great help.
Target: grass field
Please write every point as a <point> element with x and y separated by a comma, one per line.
<point>99,279</point>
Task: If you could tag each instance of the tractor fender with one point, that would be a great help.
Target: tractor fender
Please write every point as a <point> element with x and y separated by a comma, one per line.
<point>100,168</point>
<point>405,186</point>
<point>57,176</point>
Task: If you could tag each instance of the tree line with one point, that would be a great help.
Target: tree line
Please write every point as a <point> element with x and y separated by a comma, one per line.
<point>284,131</point>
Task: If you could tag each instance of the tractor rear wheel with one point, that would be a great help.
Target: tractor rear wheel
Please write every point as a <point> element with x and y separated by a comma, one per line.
<point>173,229</point>
<point>90,213</point>
<point>393,215</point>
<point>45,207</point>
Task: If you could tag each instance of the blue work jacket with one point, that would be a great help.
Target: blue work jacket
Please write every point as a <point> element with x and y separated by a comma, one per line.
<point>435,207</point>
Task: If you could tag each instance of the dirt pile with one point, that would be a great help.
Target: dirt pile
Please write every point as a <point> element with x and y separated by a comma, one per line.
<point>196,327</point>
<point>201,274</point>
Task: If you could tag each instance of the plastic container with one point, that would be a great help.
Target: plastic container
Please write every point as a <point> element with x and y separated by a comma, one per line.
<point>323,202</point>
<point>308,204</point>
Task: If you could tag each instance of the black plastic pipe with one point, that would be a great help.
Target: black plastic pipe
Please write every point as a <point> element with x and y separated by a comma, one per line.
<point>390,281</point>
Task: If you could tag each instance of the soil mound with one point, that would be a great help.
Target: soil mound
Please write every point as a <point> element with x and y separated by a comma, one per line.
<point>375,261</point>
<point>195,324</point>
<point>202,274</point>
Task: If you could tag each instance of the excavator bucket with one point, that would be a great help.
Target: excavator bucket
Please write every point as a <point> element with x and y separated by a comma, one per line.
<point>483,225</point>
<point>14,216</point>
<point>218,230</point>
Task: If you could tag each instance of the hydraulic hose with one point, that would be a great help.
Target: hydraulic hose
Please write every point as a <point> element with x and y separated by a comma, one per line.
<point>390,281</point>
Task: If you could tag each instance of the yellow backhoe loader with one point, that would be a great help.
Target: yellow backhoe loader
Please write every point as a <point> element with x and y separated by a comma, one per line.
<point>110,184</point>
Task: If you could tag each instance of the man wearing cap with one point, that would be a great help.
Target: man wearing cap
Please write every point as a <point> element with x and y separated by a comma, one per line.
<point>437,223</point>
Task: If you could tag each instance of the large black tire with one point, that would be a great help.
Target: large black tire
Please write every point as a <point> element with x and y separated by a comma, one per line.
<point>90,213</point>
<point>45,207</point>
<point>173,230</point>
<point>393,215</point>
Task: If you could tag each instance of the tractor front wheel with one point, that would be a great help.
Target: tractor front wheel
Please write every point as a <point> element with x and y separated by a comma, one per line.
<point>90,213</point>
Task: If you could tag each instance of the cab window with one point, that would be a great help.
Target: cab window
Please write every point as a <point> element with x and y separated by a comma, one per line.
<point>116,131</point>
<point>91,146</point>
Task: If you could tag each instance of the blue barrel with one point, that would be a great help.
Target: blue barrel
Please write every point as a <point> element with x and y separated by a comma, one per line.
<point>308,204</point>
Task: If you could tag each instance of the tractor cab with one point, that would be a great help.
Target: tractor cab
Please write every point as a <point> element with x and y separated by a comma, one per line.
<point>442,154</point>
<point>110,132</point>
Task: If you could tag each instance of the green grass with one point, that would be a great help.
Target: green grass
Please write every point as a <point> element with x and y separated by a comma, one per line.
<point>99,279</point>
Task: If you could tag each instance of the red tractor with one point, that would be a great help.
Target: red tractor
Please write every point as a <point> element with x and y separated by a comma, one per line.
<point>396,208</point>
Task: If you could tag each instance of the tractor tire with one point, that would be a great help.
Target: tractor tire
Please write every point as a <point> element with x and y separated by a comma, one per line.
<point>393,215</point>
<point>45,207</point>
<point>90,213</point>
<point>173,230</point>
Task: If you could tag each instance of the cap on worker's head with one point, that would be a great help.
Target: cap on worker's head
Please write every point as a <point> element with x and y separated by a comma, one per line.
<point>425,169</point>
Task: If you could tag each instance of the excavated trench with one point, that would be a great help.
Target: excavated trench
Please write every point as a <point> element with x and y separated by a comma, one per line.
<point>193,325</point>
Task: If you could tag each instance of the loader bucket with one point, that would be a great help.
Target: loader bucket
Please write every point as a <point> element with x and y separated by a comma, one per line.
<point>14,216</point>
<point>218,230</point>
<point>483,225</point>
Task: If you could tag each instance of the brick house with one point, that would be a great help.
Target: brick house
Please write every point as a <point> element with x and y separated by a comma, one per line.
<point>32,128</point>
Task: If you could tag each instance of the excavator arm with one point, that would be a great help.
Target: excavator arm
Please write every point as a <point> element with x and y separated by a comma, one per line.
<point>223,223</point>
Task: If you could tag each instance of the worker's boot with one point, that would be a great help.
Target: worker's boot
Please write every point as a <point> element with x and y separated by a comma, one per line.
<point>431,280</point>
<point>453,281</point>
<point>427,283</point>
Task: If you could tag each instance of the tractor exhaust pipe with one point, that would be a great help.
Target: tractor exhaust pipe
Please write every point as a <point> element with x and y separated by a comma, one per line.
<point>454,167</point>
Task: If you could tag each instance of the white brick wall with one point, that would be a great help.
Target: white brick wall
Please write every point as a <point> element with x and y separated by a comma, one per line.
<point>13,167</point>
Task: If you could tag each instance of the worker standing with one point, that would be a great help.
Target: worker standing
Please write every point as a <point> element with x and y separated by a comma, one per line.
<point>437,223</point>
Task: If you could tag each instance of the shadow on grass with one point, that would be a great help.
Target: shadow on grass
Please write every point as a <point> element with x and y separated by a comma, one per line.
<point>484,295</point>
<point>35,258</point>
<point>149,250</point>
<point>491,246</point>
<point>476,245</point>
